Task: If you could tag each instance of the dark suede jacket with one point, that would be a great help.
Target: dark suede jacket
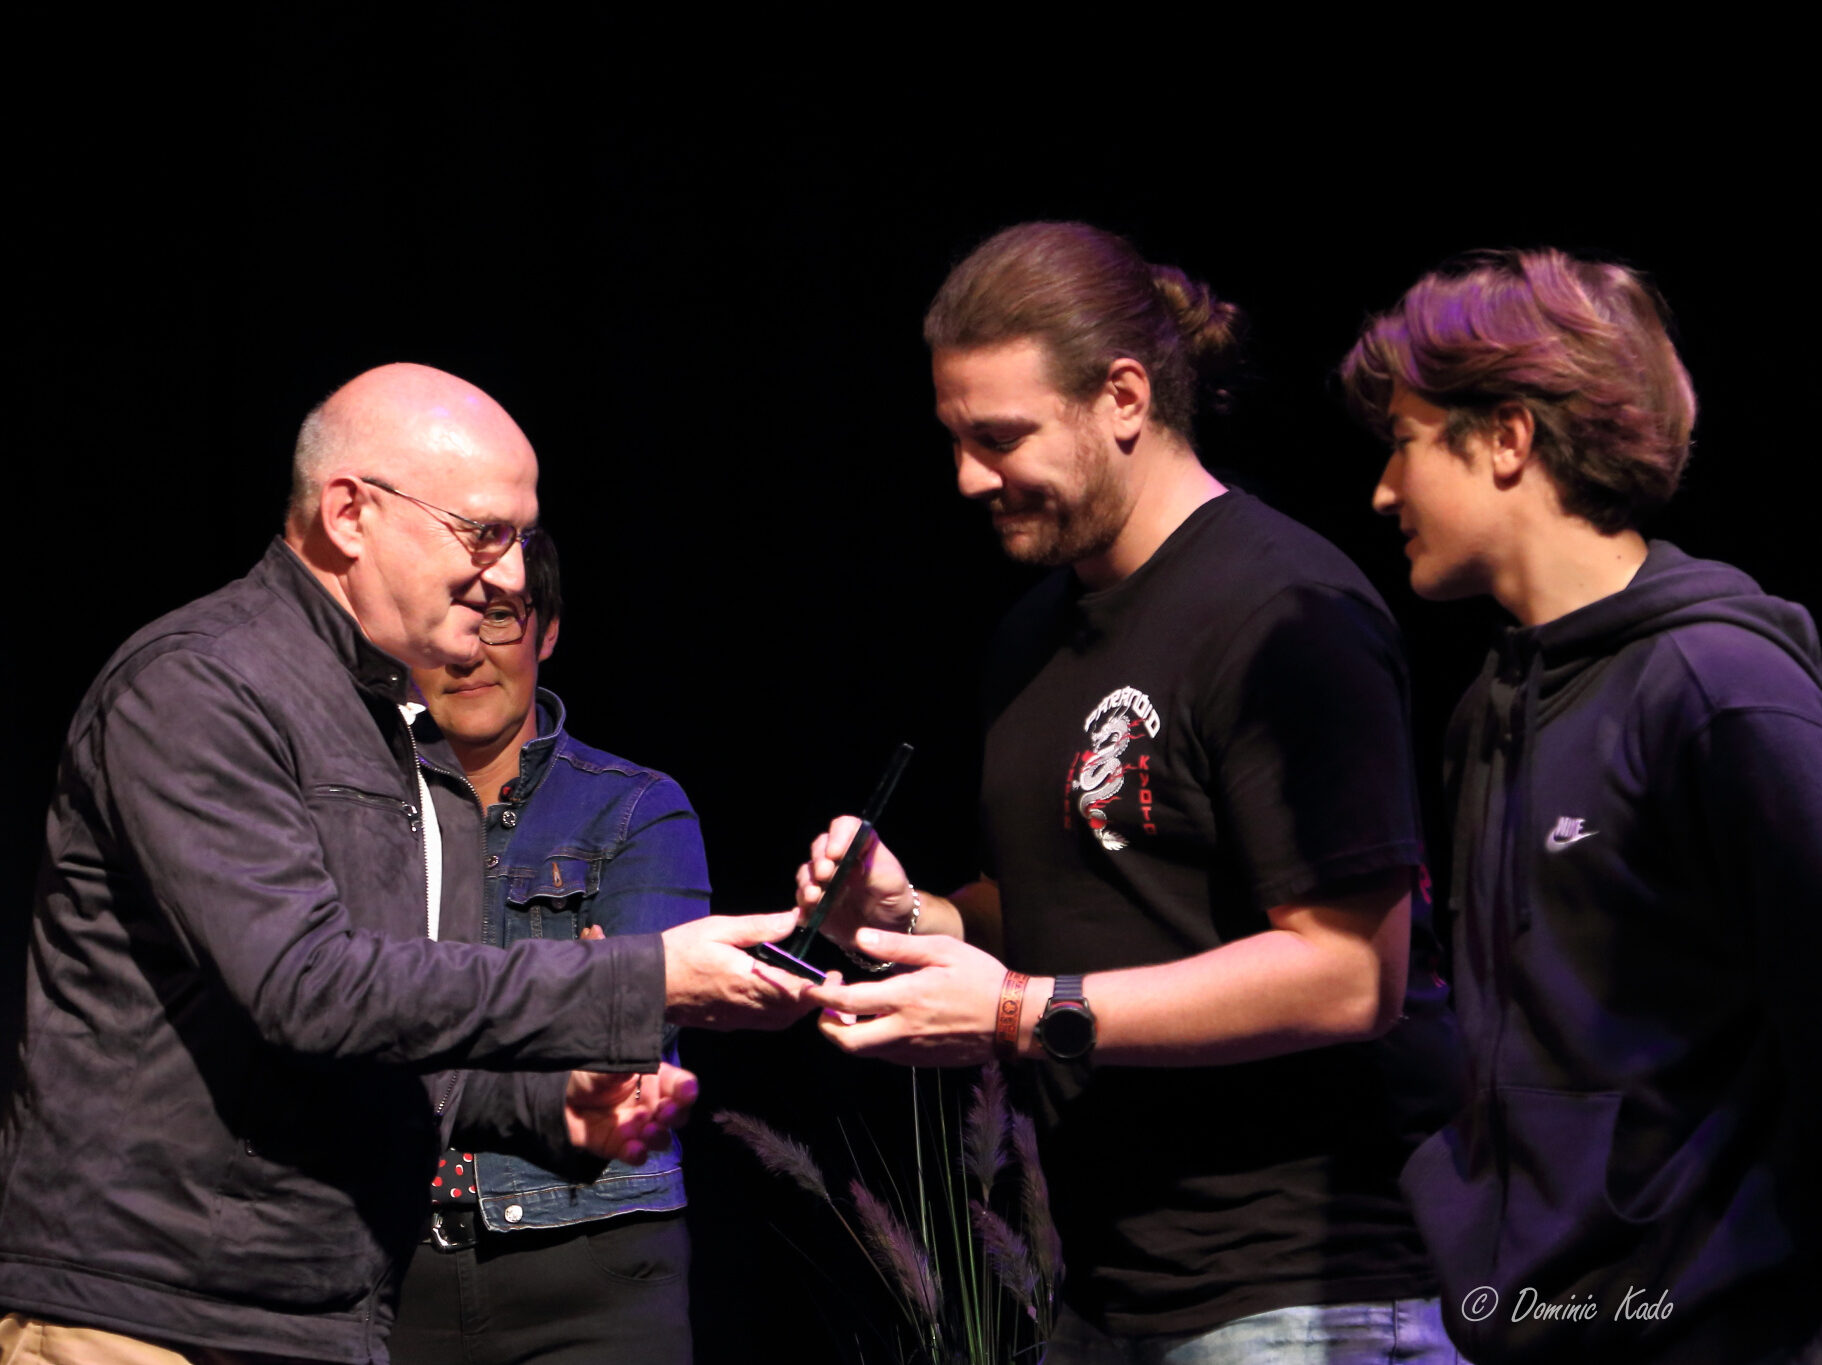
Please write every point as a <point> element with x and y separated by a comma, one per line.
<point>238,1060</point>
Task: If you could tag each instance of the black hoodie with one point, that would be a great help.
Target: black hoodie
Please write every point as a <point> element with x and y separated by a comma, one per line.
<point>1637,796</point>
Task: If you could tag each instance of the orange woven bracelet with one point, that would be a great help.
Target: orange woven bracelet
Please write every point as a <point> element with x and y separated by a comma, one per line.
<point>1006,1024</point>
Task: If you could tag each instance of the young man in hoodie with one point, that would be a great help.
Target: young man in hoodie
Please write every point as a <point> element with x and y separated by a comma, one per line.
<point>1636,788</point>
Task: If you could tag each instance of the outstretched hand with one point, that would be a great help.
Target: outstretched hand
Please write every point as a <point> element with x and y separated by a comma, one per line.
<point>878,894</point>
<point>939,1015</point>
<point>711,982</point>
<point>616,1115</point>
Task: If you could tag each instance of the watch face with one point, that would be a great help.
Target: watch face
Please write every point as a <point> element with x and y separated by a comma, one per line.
<point>1066,1030</point>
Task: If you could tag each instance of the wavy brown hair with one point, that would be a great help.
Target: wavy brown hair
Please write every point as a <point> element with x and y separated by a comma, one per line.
<point>1584,345</point>
<point>1090,299</point>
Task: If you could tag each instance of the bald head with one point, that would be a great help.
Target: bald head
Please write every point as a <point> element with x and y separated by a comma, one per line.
<point>408,416</point>
<point>393,473</point>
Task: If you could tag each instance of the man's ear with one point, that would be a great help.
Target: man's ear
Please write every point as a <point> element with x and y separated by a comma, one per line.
<point>340,511</point>
<point>1128,391</point>
<point>1510,437</point>
<point>549,642</point>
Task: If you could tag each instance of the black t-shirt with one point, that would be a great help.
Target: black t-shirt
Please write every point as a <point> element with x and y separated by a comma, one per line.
<point>1221,732</point>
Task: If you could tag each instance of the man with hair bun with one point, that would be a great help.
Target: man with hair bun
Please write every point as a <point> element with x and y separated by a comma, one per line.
<point>1635,781</point>
<point>1195,930</point>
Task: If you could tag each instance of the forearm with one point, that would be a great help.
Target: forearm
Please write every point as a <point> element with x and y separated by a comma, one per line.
<point>1272,993</point>
<point>541,1005</point>
<point>976,911</point>
<point>1326,971</point>
<point>243,858</point>
<point>939,915</point>
<point>970,913</point>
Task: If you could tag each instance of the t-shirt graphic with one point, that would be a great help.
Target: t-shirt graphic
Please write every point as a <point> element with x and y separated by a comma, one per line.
<point>1099,771</point>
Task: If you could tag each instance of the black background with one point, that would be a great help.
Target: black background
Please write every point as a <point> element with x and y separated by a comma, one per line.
<point>699,292</point>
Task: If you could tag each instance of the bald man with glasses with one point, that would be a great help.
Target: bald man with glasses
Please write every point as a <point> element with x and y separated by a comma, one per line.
<point>258,1006</point>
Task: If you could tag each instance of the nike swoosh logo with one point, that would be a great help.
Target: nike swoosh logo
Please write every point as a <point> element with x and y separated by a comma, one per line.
<point>1556,843</point>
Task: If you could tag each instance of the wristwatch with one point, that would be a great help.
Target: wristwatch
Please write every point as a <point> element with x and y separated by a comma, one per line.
<point>1066,1030</point>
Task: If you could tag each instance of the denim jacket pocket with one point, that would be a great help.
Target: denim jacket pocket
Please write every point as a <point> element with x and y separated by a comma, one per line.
<point>544,899</point>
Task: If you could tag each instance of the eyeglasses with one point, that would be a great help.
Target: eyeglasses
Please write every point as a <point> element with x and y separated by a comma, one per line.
<point>486,541</point>
<point>502,623</point>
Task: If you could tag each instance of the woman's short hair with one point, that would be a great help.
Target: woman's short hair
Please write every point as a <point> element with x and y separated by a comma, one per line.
<point>543,581</point>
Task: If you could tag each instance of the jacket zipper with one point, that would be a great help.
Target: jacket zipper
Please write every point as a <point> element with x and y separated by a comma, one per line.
<point>418,820</point>
<point>474,796</point>
<point>419,762</point>
<point>367,798</point>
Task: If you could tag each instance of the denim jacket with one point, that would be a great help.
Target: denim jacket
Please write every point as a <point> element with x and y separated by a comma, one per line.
<point>585,838</point>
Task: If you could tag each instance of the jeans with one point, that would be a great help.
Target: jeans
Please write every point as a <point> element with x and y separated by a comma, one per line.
<point>1382,1333</point>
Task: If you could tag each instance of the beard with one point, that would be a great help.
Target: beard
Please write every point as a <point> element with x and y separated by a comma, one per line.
<point>1066,524</point>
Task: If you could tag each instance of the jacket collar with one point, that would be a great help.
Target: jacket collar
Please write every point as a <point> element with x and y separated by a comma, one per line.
<point>285,574</point>
<point>536,754</point>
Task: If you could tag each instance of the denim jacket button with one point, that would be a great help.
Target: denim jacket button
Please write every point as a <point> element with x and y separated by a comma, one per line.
<point>493,860</point>
<point>514,1213</point>
<point>509,818</point>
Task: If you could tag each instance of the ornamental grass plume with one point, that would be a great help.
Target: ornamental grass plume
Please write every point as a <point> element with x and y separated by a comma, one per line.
<point>949,1262</point>
<point>905,1264</point>
<point>1034,1200</point>
<point>787,1157</point>
<point>1007,1254</point>
<point>777,1153</point>
<point>984,1134</point>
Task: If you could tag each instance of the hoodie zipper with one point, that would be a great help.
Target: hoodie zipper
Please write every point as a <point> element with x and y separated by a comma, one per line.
<point>1516,726</point>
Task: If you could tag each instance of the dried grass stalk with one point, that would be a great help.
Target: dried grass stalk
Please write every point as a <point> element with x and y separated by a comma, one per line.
<point>984,1137</point>
<point>1034,1198</point>
<point>1007,1254</point>
<point>897,1253</point>
<point>777,1153</point>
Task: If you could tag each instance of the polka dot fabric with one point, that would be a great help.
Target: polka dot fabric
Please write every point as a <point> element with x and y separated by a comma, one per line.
<point>454,1181</point>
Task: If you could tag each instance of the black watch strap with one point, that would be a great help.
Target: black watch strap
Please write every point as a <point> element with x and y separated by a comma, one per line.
<point>1067,1029</point>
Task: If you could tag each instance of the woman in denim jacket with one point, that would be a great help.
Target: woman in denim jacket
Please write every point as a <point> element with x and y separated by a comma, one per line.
<point>524,1263</point>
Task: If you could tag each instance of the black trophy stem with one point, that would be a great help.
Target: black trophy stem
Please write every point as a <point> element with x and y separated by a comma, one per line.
<point>799,943</point>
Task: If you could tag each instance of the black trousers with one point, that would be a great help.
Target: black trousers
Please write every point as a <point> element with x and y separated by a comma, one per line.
<point>614,1291</point>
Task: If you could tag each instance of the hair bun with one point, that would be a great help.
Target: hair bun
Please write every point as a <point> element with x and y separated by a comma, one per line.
<point>1211,327</point>
<point>1089,299</point>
